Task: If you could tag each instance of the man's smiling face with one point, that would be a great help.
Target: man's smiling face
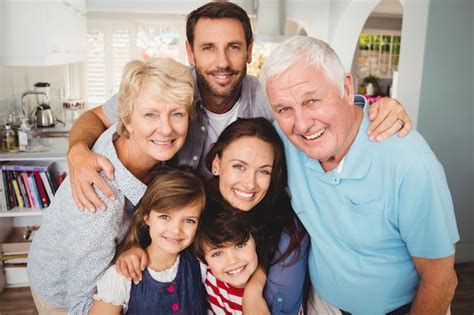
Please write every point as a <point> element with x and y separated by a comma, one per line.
<point>311,112</point>
<point>220,55</point>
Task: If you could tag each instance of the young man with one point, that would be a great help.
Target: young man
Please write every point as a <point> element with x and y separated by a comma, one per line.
<point>219,46</point>
<point>380,215</point>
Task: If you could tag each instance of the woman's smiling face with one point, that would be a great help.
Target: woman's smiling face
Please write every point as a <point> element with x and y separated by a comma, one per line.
<point>245,170</point>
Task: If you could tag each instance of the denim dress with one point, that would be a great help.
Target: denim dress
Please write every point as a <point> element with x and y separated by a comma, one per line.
<point>184,295</point>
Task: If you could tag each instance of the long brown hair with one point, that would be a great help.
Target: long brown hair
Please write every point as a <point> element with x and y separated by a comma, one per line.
<point>171,189</point>
<point>274,214</point>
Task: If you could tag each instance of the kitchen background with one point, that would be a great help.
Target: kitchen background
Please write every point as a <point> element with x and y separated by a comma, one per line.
<point>421,51</point>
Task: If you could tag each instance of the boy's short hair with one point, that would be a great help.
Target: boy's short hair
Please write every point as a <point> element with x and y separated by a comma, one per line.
<point>222,225</point>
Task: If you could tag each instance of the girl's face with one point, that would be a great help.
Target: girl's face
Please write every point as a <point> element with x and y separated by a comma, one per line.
<point>233,264</point>
<point>245,171</point>
<point>174,231</point>
<point>157,130</point>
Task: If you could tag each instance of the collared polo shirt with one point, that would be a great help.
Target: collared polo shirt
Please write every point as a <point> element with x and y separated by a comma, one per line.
<point>389,202</point>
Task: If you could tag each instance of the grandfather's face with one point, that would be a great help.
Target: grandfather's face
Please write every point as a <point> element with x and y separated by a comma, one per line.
<point>311,112</point>
<point>220,55</point>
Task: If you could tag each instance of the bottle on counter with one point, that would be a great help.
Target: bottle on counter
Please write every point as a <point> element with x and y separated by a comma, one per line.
<point>8,139</point>
<point>24,135</point>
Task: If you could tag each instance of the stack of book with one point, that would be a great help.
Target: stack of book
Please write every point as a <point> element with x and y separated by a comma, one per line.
<point>28,184</point>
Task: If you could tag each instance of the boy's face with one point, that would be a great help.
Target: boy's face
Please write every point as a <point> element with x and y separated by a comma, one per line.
<point>233,264</point>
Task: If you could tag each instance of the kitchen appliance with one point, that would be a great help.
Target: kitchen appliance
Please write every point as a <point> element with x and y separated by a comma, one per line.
<point>43,116</point>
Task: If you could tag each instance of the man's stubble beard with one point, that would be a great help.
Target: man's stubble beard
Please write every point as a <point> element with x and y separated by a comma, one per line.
<point>204,85</point>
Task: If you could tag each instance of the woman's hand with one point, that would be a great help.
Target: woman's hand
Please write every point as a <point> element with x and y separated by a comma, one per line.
<point>84,167</point>
<point>388,117</point>
<point>131,263</point>
<point>253,302</point>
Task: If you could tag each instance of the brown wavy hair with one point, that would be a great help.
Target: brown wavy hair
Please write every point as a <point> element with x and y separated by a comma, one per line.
<point>171,189</point>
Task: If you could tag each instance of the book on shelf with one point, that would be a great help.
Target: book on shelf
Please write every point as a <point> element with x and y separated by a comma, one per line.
<point>41,190</point>
<point>16,189</point>
<point>22,188</point>
<point>30,184</point>
<point>3,200</point>
<point>47,185</point>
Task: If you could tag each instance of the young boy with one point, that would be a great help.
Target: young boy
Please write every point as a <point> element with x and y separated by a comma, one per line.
<point>225,242</point>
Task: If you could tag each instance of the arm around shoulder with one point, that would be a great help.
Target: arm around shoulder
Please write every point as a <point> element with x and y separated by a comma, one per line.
<point>84,165</point>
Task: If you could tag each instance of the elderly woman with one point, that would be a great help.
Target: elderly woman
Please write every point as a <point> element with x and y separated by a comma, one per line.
<point>73,248</point>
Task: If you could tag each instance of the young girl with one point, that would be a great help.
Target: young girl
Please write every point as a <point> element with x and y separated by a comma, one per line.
<point>164,224</point>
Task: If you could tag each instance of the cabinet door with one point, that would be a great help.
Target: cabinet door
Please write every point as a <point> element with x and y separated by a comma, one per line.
<point>42,33</point>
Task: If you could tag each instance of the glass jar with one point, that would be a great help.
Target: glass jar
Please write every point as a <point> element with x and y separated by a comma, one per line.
<point>8,139</point>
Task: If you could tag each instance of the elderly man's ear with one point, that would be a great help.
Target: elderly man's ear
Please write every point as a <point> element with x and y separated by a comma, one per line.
<point>348,88</point>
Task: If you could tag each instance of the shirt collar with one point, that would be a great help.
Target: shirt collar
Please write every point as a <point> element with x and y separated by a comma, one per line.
<point>129,185</point>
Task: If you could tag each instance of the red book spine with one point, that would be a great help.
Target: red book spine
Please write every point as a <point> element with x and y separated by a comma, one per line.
<point>41,190</point>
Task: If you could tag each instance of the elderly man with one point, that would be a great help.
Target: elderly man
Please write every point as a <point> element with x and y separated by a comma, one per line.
<point>380,215</point>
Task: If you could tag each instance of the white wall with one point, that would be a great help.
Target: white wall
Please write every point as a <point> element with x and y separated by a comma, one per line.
<point>412,48</point>
<point>446,106</point>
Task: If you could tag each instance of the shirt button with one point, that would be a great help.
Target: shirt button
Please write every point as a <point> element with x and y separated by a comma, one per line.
<point>170,288</point>
<point>195,158</point>
<point>174,307</point>
<point>203,128</point>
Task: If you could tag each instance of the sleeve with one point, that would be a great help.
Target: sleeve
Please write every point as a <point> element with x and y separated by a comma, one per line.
<point>113,288</point>
<point>91,253</point>
<point>284,289</point>
<point>110,108</point>
<point>203,268</point>
<point>426,213</point>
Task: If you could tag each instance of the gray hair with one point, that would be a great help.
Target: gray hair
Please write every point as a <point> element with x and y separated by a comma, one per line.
<point>307,49</point>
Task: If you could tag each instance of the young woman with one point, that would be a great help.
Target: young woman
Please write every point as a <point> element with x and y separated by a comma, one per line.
<point>248,165</point>
<point>73,248</point>
<point>165,225</point>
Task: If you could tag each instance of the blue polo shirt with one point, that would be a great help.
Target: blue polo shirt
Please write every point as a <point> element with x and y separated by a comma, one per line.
<point>389,202</point>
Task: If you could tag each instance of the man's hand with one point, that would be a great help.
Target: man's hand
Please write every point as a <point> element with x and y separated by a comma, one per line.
<point>131,263</point>
<point>253,302</point>
<point>388,117</point>
<point>84,168</point>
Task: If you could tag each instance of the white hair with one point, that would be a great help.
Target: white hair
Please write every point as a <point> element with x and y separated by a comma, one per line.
<point>309,50</point>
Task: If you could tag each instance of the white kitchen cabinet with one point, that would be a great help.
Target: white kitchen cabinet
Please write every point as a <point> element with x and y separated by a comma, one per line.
<point>42,33</point>
<point>13,222</point>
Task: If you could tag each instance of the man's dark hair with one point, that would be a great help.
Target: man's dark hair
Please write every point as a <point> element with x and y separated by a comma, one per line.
<point>222,225</point>
<point>219,10</point>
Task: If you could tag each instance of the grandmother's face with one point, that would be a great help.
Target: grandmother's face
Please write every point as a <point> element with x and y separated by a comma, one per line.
<point>245,172</point>
<point>157,129</point>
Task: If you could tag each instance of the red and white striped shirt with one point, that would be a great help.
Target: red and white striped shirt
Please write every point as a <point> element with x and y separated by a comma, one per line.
<point>223,299</point>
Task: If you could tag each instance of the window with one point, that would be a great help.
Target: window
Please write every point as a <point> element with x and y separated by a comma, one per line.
<point>378,55</point>
<point>113,41</point>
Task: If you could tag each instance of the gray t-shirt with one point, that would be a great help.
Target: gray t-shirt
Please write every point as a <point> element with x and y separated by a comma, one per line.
<point>252,103</point>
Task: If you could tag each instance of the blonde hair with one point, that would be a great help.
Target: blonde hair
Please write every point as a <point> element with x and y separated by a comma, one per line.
<point>168,80</point>
<point>171,189</point>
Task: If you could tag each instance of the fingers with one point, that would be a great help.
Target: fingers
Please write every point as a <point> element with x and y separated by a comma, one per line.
<point>84,167</point>
<point>387,133</point>
<point>388,117</point>
<point>143,262</point>
<point>131,263</point>
<point>407,127</point>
